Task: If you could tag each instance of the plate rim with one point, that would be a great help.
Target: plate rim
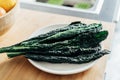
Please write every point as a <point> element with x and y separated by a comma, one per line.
<point>79,70</point>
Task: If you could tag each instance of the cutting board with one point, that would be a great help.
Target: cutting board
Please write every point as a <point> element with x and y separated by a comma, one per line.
<point>26,23</point>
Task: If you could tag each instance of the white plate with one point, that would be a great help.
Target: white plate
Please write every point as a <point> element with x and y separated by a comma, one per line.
<point>61,69</point>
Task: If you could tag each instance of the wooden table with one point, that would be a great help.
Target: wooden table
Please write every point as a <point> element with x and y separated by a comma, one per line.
<point>27,22</point>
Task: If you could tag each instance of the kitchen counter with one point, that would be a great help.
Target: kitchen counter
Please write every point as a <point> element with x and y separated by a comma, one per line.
<point>29,21</point>
<point>113,63</point>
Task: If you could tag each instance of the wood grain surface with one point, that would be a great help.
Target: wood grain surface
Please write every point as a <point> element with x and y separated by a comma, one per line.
<point>29,21</point>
